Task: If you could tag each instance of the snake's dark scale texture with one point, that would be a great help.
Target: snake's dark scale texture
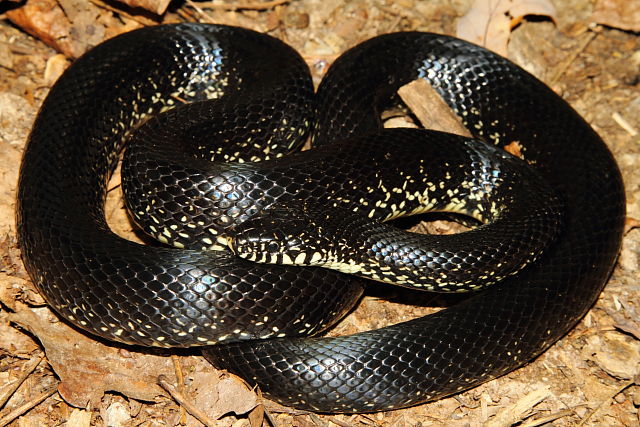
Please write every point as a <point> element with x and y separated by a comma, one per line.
<point>405,171</point>
<point>496,330</point>
<point>156,296</point>
<point>149,295</point>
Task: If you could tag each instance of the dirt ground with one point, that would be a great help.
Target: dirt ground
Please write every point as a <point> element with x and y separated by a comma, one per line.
<point>52,375</point>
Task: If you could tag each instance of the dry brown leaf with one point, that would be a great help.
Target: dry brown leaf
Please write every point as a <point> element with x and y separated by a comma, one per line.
<point>13,341</point>
<point>256,416</point>
<point>45,20</point>
<point>69,26</point>
<point>615,353</point>
<point>87,368</point>
<point>219,394</point>
<point>86,29</point>
<point>623,14</point>
<point>79,418</point>
<point>156,6</point>
<point>489,22</point>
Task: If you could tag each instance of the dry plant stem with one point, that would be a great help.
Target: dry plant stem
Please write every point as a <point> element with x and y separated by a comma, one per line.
<point>514,413</point>
<point>203,15</point>
<point>429,107</point>
<point>567,62</point>
<point>138,19</point>
<point>243,5</point>
<point>624,124</point>
<point>180,380</point>
<point>187,15</point>
<point>184,402</point>
<point>608,399</point>
<point>6,394</point>
<point>19,49</point>
<point>549,418</point>
<point>270,419</point>
<point>22,409</point>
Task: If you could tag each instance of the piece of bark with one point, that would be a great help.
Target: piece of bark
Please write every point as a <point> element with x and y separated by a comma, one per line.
<point>429,107</point>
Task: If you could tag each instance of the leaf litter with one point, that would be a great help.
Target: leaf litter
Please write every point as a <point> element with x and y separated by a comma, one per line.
<point>588,378</point>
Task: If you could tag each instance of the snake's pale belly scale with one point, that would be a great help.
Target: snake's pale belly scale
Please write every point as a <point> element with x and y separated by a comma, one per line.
<point>167,297</point>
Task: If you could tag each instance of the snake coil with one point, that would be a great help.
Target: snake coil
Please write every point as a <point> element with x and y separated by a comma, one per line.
<point>157,296</point>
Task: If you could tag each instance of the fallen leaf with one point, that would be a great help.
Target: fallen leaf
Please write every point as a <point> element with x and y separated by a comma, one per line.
<point>87,368</point>
<point>156,6</point>
<point>79,418</point>
<point>616,354</point>
<point>514,148</point>
<point>220,394</point>
<point>489,22</point>
<point>69,26</point>
<point>45,20</point>
<point>622,14</point>
<point>117,415</point>
<point>13,341</point>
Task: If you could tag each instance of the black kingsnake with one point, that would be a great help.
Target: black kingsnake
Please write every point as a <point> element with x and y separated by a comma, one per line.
<point>168,297</point>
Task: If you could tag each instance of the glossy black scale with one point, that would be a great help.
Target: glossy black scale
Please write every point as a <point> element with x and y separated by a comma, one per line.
<point>160,296</point>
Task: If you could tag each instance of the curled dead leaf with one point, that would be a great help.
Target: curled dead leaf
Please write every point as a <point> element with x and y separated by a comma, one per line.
<point>157,7</point>
<point>622,14</point>
<point>87,368</point>
<point>45,20</point>
<point>489,22</point>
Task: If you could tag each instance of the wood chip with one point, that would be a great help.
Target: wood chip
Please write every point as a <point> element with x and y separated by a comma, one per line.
<point>512,414</point>
<point>429,107</point>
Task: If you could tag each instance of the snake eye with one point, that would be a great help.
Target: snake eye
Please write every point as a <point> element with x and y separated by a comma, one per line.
<point>273,247</point>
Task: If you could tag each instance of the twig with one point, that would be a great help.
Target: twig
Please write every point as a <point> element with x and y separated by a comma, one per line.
<point>547,419</point>
<point>513,413</point>
<point>182,400</point>
<point>201,12</point>
<point>20,49</point>
<point>180,380</point>
<point>567,62</point>
<point>6,394</point>
<point>22,409</point>
<point>139,19</point>
<point>624,124</point>
<point>608,399</point>
<point>269,417</point>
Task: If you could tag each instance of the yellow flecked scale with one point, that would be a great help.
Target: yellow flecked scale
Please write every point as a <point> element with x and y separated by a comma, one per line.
<point>195,85</point>
<point>327,229</point>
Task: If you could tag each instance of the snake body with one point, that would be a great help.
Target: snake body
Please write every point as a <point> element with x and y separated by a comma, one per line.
<point>159,296</point>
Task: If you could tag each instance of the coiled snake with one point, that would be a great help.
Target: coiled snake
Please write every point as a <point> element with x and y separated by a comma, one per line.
<point>158,296</point>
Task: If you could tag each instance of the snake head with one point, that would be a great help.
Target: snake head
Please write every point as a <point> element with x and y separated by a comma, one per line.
<point>284,235</point>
